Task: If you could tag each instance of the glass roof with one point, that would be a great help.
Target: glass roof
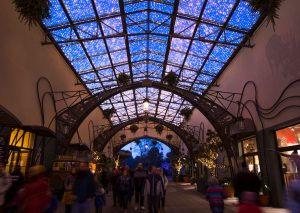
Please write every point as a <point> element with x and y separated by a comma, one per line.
<point>147,39</point>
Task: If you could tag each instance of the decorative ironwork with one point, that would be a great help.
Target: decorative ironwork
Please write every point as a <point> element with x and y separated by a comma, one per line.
<point>69,120</point>
<point>147,39</point>
<point>103,138</point>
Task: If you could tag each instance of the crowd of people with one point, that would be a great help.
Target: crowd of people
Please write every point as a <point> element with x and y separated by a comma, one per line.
<point>81,190</point>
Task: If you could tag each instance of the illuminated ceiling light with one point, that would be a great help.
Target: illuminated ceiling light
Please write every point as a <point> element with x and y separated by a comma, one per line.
<point>146,146</point>
<point>146,105</point>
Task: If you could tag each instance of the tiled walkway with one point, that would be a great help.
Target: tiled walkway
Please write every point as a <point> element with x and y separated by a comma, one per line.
<point>182,198</point>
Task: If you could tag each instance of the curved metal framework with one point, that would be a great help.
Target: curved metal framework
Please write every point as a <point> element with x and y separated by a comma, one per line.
<point>174,148</point>
<point>69,120</point>
<point>103,138</point>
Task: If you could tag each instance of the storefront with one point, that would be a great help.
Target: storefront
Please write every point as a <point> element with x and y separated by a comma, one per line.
<point>21,144</point>
<point>288,143</point>
<point>248,151</point>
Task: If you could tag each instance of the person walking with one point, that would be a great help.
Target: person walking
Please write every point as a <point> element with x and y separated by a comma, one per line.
<point>246,186</point>
<point>99,198</point>
<point>68,198</point>
<point>215,195</point>
<point>165,184</point>
<point>84,189</point>
<point>139,176</point>
<point>35,195</point>
<point>114,185</point>
<point>5,183</point>
<point>125,188</point>
<point>245,181</point>
<point>153,190</point>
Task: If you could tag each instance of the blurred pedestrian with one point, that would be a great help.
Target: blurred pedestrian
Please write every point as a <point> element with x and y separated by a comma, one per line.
<point>165,182</point>
<point>68,198</point>
<point>35,195</point>
<point>114,180</point>
<point>17,183</point>
<point>84,189</point>
<point>99,198</point>
<point>245,181</point>
<point>139,177</point>
<point>153,190</point>
<point>125,187</point>
<point>5,183</point>
<point>215,195</point>
<point>248,203</point>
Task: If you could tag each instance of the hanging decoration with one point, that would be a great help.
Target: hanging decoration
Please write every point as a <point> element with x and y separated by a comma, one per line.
<point>123,79</point>
<point>268,7</point>
<point>169,137</point>
<point>32,12</point>
<point>159,128</point>
<point>107,113</point>
<point>171,79</point>
<point>186,113</point>
<point>133,128</point>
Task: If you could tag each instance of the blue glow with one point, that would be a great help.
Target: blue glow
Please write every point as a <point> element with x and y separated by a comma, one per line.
<point>190,7</point>
<point>218,10</point>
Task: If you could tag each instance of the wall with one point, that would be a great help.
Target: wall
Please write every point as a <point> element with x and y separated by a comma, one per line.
<point>272,64</point>
<point>23,61</point>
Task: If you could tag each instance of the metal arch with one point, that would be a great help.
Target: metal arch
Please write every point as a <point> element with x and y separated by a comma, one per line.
<point>102,139</point>
<point>172,147</point>
<point>70,119</point>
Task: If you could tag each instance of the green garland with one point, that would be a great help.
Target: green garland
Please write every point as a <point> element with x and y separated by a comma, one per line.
<point>32,12</point>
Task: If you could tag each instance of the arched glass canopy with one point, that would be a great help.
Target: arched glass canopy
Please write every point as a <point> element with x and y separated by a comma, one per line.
<point>146,39</point>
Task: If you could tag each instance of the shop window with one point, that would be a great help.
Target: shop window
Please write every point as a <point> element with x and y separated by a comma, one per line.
<point>249,151</point>
<point>249,145</point>
<point>288,141</point>
<point>21,144</point>
<point>289,136</point>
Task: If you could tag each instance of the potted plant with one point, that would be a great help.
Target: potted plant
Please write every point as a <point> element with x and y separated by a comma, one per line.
<point>264,195</point>
<point>107,113</point>
<point>133,128</point>
<point>266,7</point>
<point>186,113</point>
<point>169,137</point>
<point>123,79</point>
<point>32,12</point>
<point>159,128</point>
<point>171,79</point>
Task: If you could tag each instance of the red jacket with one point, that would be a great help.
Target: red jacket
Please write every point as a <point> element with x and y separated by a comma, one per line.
<point>249,208</point>
<point>35,196</point>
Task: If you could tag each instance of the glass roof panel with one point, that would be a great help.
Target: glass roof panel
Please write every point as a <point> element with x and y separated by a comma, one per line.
<point>79,9</point>
<point>218,10</point>
<point>58,15</point>
<point>190,7</point>
<point>155,40</point>
<point>105,7</point>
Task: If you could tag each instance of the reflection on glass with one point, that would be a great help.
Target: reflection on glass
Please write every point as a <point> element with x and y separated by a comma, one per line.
<point>289,167</point>
<point>249,145</point>
<point>289,136</point>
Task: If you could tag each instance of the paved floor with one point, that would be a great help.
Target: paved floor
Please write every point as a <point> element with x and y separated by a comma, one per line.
<point>182,198</point>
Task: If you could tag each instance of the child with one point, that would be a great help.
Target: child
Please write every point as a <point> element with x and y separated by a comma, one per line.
<point>215,195</point>
<point>100,198</point>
